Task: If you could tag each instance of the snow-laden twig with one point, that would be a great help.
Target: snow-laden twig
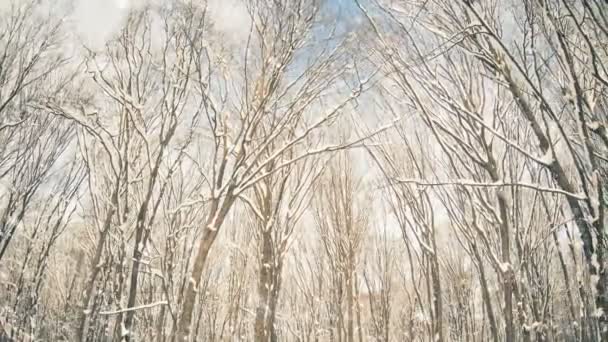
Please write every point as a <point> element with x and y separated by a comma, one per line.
<point>464,182</point>
<point>135,308</point>
<point>187,205</point>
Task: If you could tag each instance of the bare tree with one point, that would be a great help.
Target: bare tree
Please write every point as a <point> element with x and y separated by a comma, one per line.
<point>379,279</point>
<point>126,137</point>
<point>29,63</point>
<point>255,128</point>
<point>192,179</point>
<point>488,65</point>
<point>342,219</point>
<point>278,203</point>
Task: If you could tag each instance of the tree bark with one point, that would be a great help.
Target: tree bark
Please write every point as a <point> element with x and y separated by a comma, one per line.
<point>269,285</point>
<point>214,221</point>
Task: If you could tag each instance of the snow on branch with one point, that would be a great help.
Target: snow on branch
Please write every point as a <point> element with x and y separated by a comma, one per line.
<point>135,308</point>
<point>465,182</point>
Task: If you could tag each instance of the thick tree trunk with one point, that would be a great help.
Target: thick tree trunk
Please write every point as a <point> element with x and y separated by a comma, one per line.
<point>209,235</point>
<point>506,259</point>
<point>269,285</point>
<point>217,215</point>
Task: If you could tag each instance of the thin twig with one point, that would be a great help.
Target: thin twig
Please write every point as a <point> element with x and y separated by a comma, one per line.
<point>146,306</point>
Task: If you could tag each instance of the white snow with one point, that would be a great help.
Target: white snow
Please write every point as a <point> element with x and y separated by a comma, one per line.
<point>547,158</point>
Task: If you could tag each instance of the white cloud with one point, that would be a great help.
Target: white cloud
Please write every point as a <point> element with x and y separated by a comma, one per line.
<point>96,20</point>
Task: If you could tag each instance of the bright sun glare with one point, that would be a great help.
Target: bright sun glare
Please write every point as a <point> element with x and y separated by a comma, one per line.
<point>122,3</point>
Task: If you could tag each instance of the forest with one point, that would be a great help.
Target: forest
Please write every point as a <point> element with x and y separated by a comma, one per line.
<point>303,170</point>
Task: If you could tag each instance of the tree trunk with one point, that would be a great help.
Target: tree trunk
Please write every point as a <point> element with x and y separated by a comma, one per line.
<point>487,299</point>
<point>206,242</point>
<point>214,221</point>
<point>506,259</point>
<point>269,285</point>
<point>350,337</point>
<point>83,326</point>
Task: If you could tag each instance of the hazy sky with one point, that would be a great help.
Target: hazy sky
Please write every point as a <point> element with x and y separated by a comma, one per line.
<point>96,20</point>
